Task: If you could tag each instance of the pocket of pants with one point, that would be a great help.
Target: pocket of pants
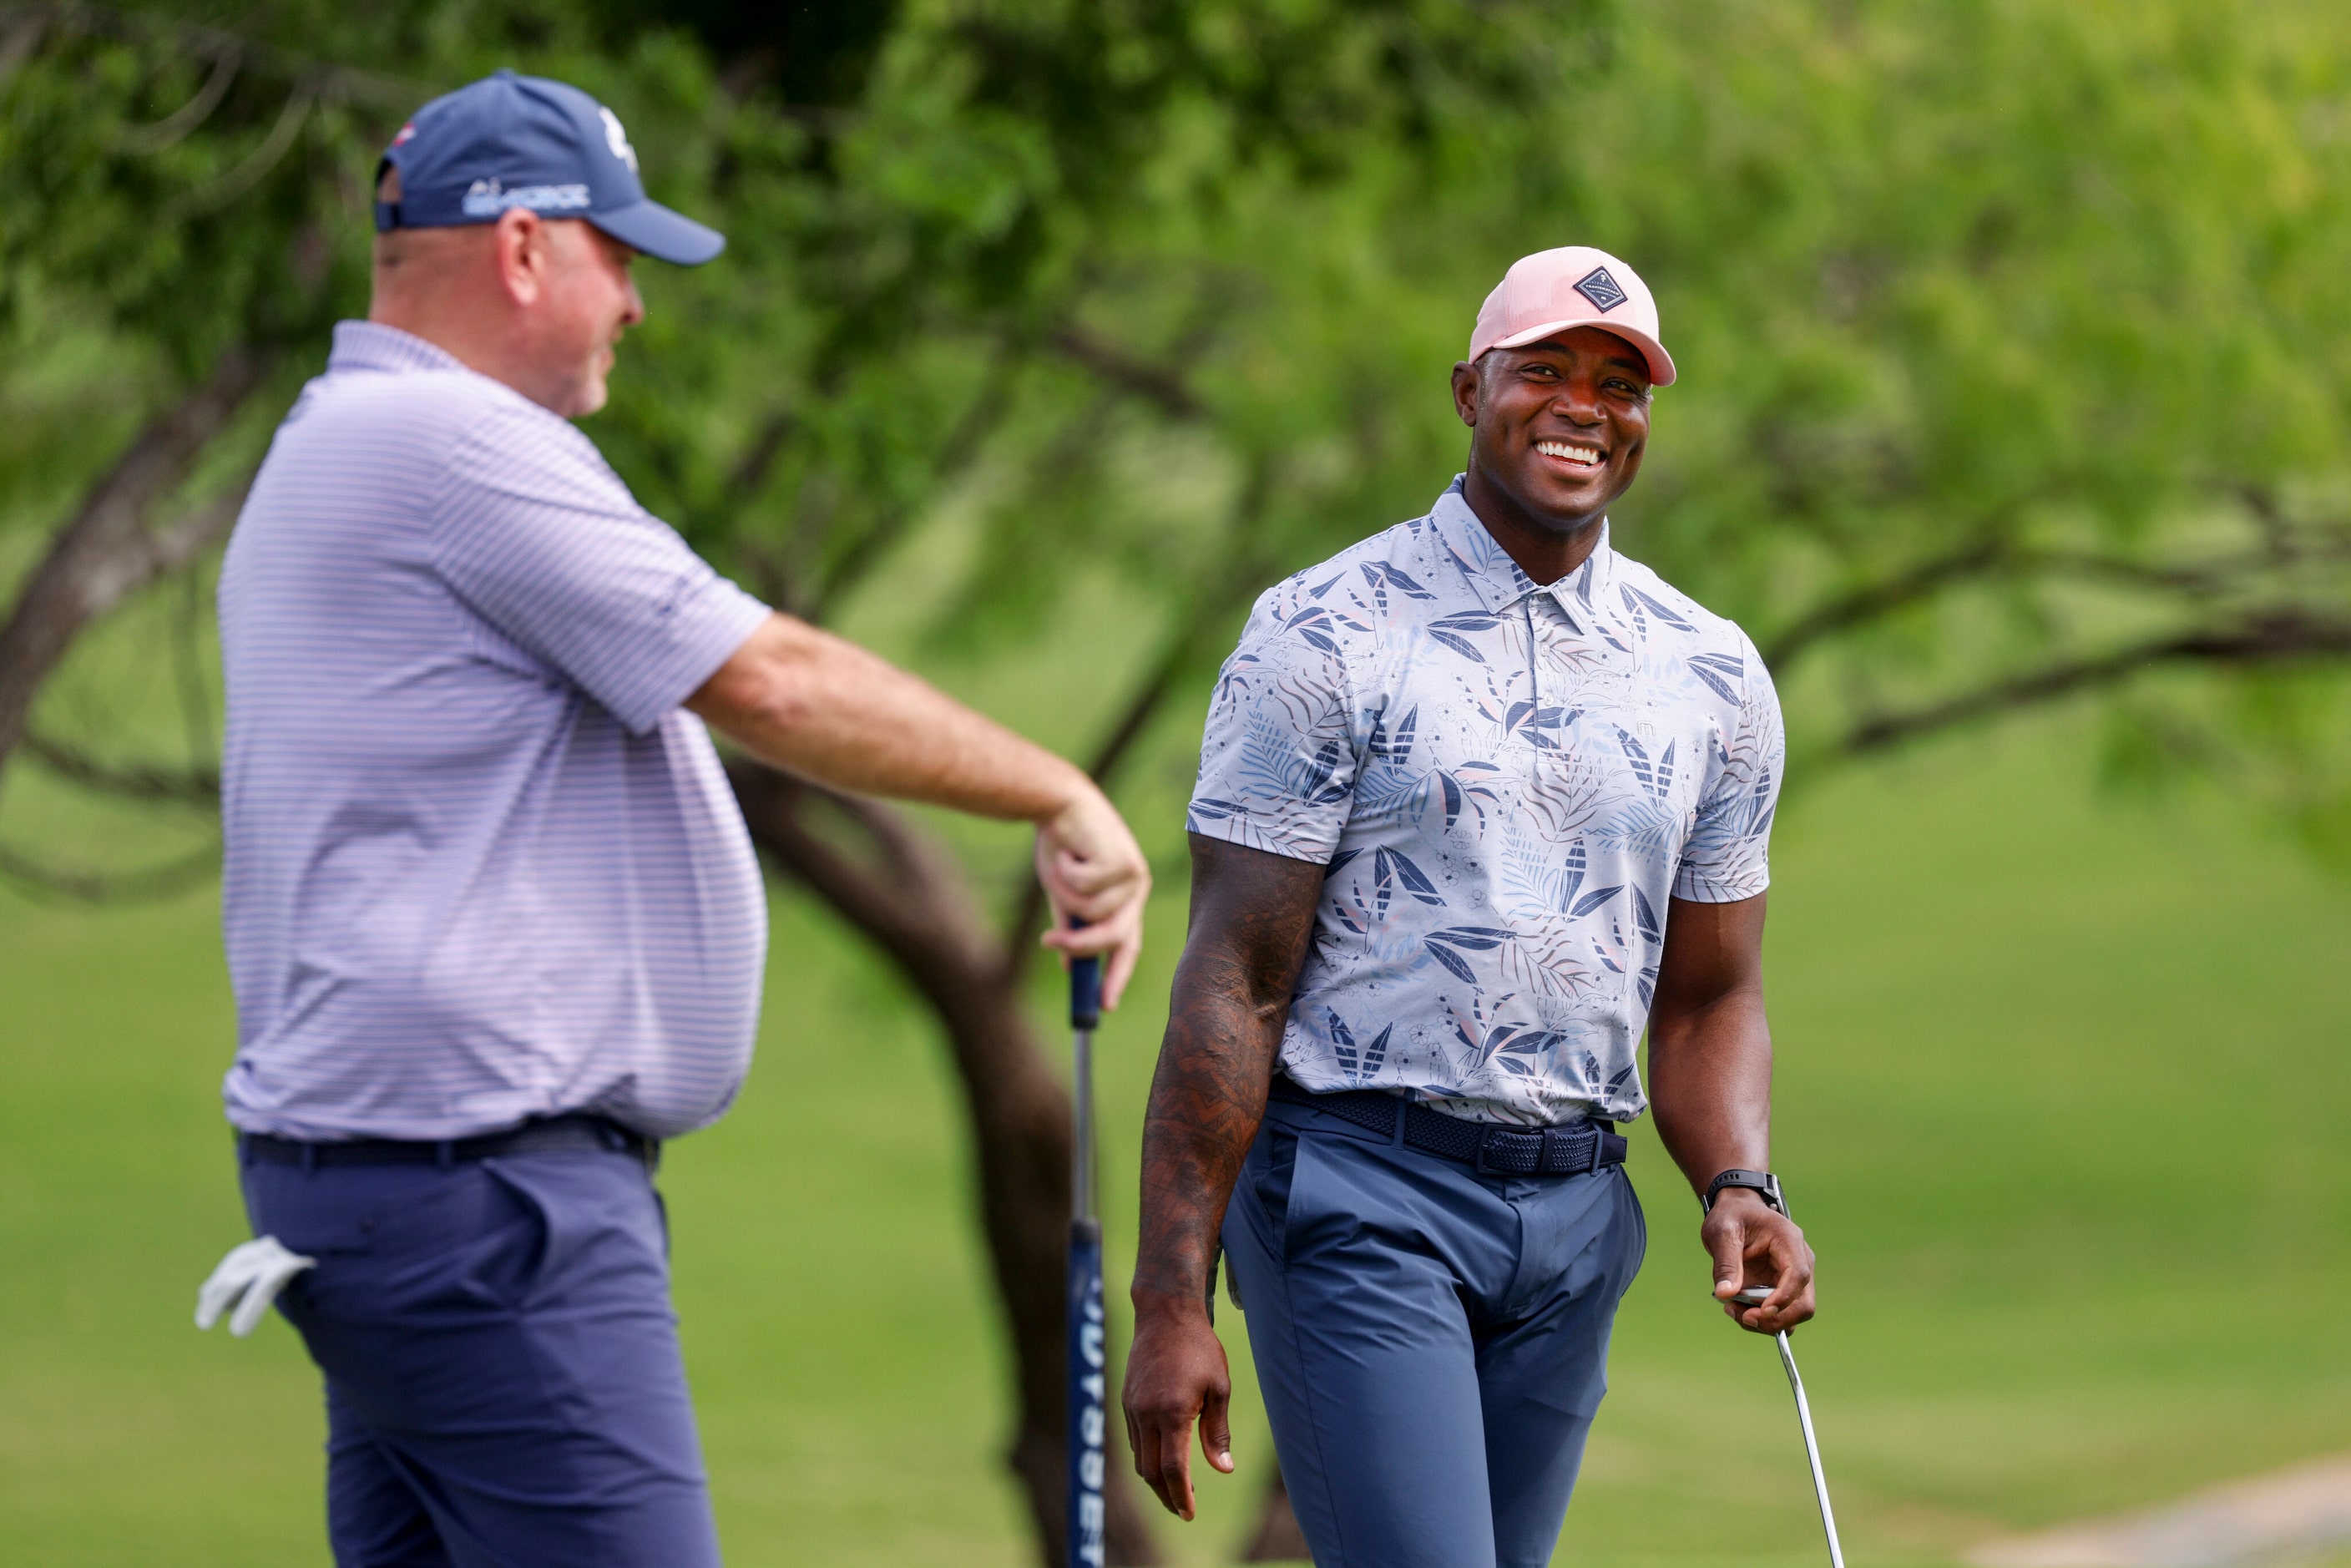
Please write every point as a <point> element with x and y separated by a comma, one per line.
<point>1640,1219</point>
<point>317,1219</point>
<point>1267,1173</point>
<point>509,1259</point>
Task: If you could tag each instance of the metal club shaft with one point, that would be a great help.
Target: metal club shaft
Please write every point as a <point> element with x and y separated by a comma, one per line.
<point>1811,1450</point>
<point>1081,1153</point>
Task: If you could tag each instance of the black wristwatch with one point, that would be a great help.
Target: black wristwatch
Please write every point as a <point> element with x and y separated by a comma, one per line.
<point>1763,1182</point>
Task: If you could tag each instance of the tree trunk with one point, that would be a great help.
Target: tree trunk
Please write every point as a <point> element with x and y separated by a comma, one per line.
<point>106,553</point>
<point>907,896</point>
<point>1277,1538</point>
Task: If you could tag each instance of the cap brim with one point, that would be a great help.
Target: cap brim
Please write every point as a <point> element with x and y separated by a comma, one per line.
<point>660,233</point>
<point>1661,364</point>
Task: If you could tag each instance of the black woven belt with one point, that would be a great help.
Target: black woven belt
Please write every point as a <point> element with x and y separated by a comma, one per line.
<point>550,1134</point>
<point>1576,1149</point>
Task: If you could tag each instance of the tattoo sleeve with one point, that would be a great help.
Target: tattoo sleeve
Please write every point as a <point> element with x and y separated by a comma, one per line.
<point>1253,917</point>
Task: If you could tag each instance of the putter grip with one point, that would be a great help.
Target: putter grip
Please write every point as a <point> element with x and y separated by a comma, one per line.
<point>1085,987</point>
<point>1085,992</point>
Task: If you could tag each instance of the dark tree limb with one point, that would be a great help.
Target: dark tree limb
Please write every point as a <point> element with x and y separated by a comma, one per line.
<point>1180,654</point>
<point>84,886</point>
<point>191,786</point>
<point>2275,637</point>
<point>107,552</point>
<point>906,894</point>
<point>1872,601</point>
<point>963,445</point>
<point>332,84</point>
<point>1276,1537</point>
<point>1162,387</point>
<point>177,126</point>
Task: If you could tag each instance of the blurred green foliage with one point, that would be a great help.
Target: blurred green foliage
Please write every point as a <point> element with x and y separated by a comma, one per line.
<point>2013,334</point>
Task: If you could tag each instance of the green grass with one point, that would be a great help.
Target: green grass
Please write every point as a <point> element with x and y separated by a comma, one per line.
<point>2062,1092</point>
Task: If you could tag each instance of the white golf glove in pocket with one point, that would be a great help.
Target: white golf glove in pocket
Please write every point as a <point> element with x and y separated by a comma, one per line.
<point>250,1276</point>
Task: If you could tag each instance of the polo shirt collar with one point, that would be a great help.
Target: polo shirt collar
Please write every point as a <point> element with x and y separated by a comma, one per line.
<point>1501,583</point>
<point>372,346</point>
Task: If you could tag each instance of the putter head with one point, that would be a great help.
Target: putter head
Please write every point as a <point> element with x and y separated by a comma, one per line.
<point>1753,1296</point>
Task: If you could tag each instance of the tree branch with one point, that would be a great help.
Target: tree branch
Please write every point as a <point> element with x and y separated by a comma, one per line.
<point>2276,637</point>
<point>105,552</point>
<point>195,786</point>
<point>1873,599</point>
<point>256,165</point>
<point>1245,571</point>
<point>1162,387</point>
<point>904,903</point>
<point>84,886</point>
<point>176,126</point>
<point>2284,544</point>
<point>332,84</point>
<point>982,414</point>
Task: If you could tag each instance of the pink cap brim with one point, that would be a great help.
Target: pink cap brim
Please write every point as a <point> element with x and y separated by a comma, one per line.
<point>1661,364</point>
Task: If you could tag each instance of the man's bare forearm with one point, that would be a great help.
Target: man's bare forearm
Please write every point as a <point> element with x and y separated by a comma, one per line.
<point>1253,917</point>
<point>1207,1099</point>
<point>1710,1082</point>
<point>1710,1042</point>
<point>803,699</point>
<point>1711,1087</point>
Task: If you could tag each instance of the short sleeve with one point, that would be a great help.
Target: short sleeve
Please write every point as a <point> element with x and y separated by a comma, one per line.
<point>1728,855</point>
<point>539,537</point>
<point>1278,761</point>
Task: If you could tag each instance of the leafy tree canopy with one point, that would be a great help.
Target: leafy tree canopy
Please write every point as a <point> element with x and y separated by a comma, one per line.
<point>2010,329</point>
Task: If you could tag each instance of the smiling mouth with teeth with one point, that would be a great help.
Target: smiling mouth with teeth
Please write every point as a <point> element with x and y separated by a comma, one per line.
<point>1572,455</point>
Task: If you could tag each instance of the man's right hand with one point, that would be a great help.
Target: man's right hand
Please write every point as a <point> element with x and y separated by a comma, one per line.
<point>1176,1376</point>
<point>1093,869</point>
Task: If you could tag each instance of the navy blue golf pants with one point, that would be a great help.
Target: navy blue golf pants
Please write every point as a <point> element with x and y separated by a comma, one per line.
<point>503,1386</point>
<point>1433,1344</point>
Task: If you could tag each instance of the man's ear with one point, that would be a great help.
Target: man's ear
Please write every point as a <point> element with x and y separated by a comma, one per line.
<point>1468,381</point>
<point>522,256</point>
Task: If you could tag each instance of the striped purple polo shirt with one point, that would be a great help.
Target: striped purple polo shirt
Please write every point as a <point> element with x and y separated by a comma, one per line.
<point>480,866</point>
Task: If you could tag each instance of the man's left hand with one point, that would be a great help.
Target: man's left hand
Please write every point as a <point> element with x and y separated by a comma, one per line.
<point>1754,1244</point>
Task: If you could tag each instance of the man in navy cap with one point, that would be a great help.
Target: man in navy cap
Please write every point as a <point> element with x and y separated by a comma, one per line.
<point>493,919</point>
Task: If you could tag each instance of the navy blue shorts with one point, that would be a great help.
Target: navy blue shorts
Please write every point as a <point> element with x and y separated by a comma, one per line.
<point>503,1386</point>
<point>1433,1344</point>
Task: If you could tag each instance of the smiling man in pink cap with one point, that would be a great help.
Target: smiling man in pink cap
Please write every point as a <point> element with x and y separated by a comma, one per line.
<point>1479,799</point>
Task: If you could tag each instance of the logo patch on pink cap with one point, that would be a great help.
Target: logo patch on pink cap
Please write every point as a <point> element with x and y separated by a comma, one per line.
<point>1600,289</point>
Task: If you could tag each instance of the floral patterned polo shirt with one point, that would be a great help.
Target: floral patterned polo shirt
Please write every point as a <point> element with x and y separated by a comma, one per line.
<point>1509,783</point>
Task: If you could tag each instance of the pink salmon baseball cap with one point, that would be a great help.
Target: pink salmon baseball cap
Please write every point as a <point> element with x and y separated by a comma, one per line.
<point>1576,286</point>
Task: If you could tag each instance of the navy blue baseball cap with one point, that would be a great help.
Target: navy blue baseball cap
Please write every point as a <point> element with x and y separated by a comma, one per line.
<point>526,142</point>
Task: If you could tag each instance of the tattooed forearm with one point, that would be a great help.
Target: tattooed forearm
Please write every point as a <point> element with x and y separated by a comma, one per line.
<point>1252,916</point>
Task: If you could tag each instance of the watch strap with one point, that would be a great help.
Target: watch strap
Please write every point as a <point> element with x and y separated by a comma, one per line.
<point>1761,1182</point>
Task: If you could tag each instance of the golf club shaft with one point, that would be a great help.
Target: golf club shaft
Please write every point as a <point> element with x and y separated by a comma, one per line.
<point>1811,1450</point>
<point>1082,1141</point>
<point>1088,1325</point>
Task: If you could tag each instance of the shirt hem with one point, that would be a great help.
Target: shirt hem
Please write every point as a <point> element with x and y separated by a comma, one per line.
<point>1234,828</point>
<point>1701,890</point>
